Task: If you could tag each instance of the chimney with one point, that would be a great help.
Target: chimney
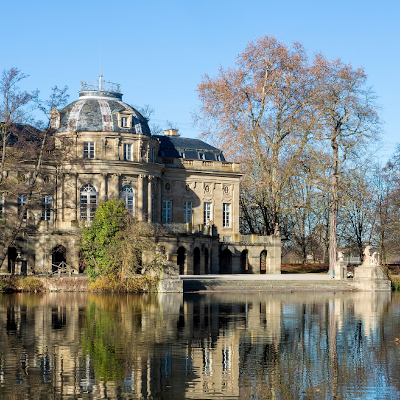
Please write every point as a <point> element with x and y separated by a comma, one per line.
<point>171,132</point>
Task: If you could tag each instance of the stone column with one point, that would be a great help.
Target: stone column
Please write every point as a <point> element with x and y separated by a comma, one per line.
<point>149,186</point>
<point>113,186</point>
<point>142,205</point>
<point>158,201</point>
<point>103,187</point>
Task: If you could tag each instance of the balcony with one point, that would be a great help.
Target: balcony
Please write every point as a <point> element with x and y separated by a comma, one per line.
<point>201,164</point>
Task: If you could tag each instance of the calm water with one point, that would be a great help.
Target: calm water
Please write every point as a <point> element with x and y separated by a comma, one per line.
<point>217,346</point>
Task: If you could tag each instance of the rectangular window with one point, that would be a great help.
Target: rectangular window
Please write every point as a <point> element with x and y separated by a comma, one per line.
<point>21,202</point>
<point>151,154</point>
<point>1,206</point>
<point>187,211</point>
<point>207,212</point>
<point>218,157</point>
<point>124,122</point>
<point>226,215</point>
<point>127,152</point>
<point>167,211</point>
<point>201,156</point>
<point>88,150</point>
<point>182,154</point>
<point>46,208</point>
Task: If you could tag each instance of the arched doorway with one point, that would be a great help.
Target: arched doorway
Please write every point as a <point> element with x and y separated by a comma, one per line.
<point>58,257</point>
<point>181,260</point>
<point>206,266</point>
<point>196,261</point>
<point>244,262</point>
<point>225,263</point>
<point>263,262</point>
<point>12,257</point>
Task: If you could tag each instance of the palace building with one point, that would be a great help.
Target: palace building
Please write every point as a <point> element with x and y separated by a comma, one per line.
<point>182,183</point>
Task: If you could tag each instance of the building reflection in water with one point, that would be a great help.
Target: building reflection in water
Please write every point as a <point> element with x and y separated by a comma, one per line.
<point>174,346</point>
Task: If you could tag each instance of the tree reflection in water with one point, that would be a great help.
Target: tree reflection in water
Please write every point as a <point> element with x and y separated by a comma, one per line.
<point>211,346</point>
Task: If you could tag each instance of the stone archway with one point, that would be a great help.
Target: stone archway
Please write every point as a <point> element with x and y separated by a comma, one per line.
<point>263,262</point>
<point>206,263</point>
<point>244,262</point>
<point>196,261</point>
<point>12,258</point>
<point>58,257</point>
<point>225,263</point>
<point>181,260</point>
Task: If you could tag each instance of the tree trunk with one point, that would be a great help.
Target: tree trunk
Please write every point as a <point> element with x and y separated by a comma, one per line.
<point>334,204</point>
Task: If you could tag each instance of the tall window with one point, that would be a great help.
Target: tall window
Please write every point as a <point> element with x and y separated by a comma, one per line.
<point>88,202</point>
<point>46,208</point>
<point>226,215</point>
<point>127,152</point>
<point>187,211</point>
<point>152,154</point>
<point>167,211</point>
<point>1,206</point>
<point>88,149</point>
<point>207,212</point>
<point>127,196</point>
<point>21,201</point>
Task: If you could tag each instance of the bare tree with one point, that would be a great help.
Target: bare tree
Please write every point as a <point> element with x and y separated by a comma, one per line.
<point>259,113</point>
<point>348,121</point>
<point>30,155</point>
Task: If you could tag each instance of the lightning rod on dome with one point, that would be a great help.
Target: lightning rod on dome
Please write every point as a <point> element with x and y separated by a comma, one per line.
<point>101,76</point>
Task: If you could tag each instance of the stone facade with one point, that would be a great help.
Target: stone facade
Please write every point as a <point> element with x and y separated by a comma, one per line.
<point>184,184</point>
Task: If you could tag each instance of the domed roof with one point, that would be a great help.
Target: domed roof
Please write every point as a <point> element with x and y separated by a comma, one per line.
<point>97,111</point>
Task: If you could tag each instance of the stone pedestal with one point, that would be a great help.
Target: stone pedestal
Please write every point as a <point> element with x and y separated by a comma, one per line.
<point>340,270</point>
<point>371,278</point>
<point>170,285</point>
<point>170,281</point>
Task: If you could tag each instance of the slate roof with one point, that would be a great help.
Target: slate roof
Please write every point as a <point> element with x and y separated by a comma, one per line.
<point>173,146</point>
<point>96,111</point>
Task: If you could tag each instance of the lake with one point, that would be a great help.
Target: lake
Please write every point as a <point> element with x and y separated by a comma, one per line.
<point>200,346</point>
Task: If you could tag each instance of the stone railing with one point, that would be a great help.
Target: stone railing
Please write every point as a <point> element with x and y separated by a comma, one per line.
<point>254,239</point>
<point>201,164</point>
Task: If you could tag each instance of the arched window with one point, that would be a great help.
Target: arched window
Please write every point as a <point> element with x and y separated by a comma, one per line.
<point>128,198</point>
<point>88,202</point>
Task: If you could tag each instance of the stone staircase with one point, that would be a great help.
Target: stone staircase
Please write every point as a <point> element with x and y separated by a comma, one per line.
<point>219,285</point>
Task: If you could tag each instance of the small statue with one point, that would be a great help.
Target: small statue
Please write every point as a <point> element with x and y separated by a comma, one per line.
<point>374,259</point>
<point>340,256</point>
<point>367,256</point>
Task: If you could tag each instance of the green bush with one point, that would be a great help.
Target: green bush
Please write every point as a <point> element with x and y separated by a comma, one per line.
<point>119,251</point>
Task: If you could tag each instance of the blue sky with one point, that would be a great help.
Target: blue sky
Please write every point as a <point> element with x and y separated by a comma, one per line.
<point>158,50</point>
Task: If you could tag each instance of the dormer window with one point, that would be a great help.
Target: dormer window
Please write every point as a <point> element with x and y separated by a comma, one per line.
<point>201,156</point>
<point>182,154</point>
<point>55,119</point>
<point>124,122</point>
<point>218,157</point>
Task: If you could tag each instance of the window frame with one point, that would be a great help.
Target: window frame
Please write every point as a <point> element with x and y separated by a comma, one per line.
<point>88,207</point>
<point>89,150</point>
<point>226,215</point>
<point>124,123</point>
<point>207,212</point>
<point>187,212</point>
<point>2,206</point>
<point>128,197</point>
<point>127,151</point>
<point>21,202</point>
<point>46,207</point>
<point>167,212</point>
